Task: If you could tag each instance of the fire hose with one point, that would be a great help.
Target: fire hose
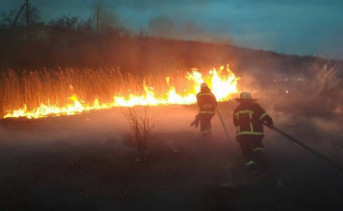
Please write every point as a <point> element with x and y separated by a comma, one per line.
<point>272,127</point>
<point>226,132</point>
<point>313,151</point>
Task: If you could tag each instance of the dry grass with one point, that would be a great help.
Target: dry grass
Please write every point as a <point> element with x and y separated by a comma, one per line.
<point>55,86</point>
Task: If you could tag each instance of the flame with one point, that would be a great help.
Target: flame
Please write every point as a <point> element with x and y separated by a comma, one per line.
<point>222,83</point>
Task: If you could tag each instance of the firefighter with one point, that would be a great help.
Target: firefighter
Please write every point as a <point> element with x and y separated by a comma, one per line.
<point>207,106</point>
<point>249,118</point>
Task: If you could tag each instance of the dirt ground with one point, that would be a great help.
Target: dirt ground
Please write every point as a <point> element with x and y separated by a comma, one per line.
<point>88,162</point>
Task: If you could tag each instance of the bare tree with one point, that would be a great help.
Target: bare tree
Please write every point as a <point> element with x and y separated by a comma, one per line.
<point>65,23</point>
<point>86,26</point>
<point>27,15</point>
<point>141,127</point>
<point>13,17</point>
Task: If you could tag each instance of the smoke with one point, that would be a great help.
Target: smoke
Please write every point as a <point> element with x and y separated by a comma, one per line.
<point>109,18</point>
<point>104,126</point>
<point>158,18</point>
<point>327,125</point>
<point>161,26</point>
<point>143,5</point>
<point>164,26</point>
<point>296,108</point>
<point>164,23</point>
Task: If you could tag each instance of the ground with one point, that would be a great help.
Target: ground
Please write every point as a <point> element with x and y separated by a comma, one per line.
<point>87,162</point>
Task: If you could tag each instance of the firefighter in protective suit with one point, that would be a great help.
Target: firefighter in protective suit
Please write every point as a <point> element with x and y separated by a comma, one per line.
<point>207,106</point>
<point>249,118</point>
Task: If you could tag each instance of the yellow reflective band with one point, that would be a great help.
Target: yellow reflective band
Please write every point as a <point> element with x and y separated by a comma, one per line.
<point>205,131</point>
<point>251,127</point>
<point>259,149</point>
<point>206,112</point>
<point>251,162</point>
<point>207,106</point>
<point>204,94</point>
<point>250,112</point>
<point>249,133</point>
<point>263,115</point>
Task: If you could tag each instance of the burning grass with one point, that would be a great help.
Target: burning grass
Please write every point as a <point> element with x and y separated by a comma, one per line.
<point>46,92</point>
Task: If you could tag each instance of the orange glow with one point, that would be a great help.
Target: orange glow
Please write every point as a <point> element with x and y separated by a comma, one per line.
<point>222,82</point>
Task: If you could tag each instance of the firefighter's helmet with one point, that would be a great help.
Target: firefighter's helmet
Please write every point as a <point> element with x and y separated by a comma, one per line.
<point>245,96</point>
<point>203,85</point>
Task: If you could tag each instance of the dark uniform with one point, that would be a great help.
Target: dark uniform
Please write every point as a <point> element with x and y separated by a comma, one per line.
<point>249,118</point>
<point>207,104</point>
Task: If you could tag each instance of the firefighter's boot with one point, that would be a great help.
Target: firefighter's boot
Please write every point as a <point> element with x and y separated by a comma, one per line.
<point>251,165</point>
<point>206,133</point>
<point>260,159</point>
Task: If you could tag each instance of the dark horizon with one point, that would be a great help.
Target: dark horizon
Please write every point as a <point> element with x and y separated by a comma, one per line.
<point>292,27</point>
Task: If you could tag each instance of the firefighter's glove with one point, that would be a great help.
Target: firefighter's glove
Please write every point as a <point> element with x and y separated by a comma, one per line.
<point>196,121</point>
<point>269,122</point>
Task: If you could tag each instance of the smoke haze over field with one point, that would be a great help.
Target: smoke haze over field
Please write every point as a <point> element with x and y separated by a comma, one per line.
<point>90,159</point>
<point>294,27</point>
<point>289,27</point>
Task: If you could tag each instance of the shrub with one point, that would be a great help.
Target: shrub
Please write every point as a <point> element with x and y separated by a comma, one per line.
<point>141,127</point>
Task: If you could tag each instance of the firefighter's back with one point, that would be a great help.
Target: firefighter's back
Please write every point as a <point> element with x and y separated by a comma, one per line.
<point>248,119</point>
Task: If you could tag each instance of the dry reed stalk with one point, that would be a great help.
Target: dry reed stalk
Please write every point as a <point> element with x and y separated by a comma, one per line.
<point>55,86</point>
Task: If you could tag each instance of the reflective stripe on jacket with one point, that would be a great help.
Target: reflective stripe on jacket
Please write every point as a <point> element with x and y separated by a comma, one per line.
<point>206,101</point>
<point>248,118</point>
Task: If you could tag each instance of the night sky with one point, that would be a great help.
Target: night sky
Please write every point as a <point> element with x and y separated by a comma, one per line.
<point>303,27</point>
